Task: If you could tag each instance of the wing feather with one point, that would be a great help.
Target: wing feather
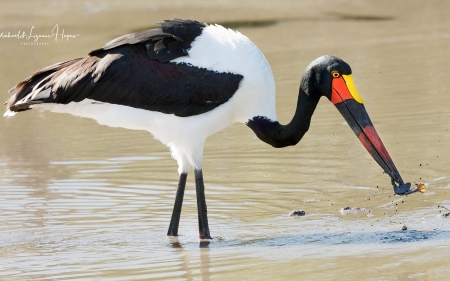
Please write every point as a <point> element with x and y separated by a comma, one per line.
<point>133,70</point>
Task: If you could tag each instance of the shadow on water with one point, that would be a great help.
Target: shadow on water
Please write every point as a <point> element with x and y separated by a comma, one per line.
<point>327,17</point>
<point>347,238</point>
<point>331,16</point>
<point>247,24</point>
<point>355,17</point>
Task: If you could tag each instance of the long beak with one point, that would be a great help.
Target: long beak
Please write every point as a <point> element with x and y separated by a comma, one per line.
<point>349,103</point>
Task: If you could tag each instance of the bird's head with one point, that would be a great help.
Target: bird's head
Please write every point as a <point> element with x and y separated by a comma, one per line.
<point>332,77</point>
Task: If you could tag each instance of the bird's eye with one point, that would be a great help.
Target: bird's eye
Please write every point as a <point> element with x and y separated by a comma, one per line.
<point>335,74</point>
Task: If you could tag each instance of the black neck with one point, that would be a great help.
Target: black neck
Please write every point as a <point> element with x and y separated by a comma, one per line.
<point>277,135</point>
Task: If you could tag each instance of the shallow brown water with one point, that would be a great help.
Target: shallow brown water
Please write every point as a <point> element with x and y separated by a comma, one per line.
<point>83,201</point>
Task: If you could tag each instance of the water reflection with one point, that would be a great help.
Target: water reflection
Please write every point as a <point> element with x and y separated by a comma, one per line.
<point>186,268</point>
<point>206,264</point>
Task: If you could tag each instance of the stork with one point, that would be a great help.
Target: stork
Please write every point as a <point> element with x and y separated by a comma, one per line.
<point>185,81</point>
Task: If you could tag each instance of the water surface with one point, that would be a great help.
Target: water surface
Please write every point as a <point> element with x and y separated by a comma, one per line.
<point>83,201</point>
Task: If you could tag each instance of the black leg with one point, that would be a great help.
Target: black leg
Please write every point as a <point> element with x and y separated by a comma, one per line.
<point>203,228</point>
<point>175,221</point>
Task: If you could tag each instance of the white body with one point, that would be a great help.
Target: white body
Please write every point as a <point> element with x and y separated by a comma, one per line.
<point>218,49</point>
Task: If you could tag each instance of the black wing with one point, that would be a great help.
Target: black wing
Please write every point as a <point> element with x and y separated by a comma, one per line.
<point>169,42</point>
<point>131,71</point>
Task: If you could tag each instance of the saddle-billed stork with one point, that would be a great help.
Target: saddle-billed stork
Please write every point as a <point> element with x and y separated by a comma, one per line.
<point>185,81</point>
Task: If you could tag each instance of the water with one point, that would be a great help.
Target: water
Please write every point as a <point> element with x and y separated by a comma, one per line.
<point>83,201</point>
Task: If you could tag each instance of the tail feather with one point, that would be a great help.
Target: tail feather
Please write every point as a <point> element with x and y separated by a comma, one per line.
<point>34,89</point>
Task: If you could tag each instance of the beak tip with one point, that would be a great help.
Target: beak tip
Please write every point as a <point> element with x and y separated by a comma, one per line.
<point>402,189</point>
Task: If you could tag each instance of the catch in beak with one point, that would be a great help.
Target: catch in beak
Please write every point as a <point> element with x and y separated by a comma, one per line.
<point>349,103</point>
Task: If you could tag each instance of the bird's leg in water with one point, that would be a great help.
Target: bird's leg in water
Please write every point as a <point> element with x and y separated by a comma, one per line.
<point>175,221</point>
<point>203,228</point>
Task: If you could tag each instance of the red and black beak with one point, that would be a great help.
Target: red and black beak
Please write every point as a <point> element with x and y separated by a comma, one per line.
<point>349,103</point>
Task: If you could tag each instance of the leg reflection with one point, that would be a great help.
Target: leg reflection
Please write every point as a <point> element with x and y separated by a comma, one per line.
<point>184,260</point>
<point>186,257</point>
<point>205,261</point>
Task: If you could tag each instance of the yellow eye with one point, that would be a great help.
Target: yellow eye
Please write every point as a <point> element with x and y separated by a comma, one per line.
<point>335,74</point>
